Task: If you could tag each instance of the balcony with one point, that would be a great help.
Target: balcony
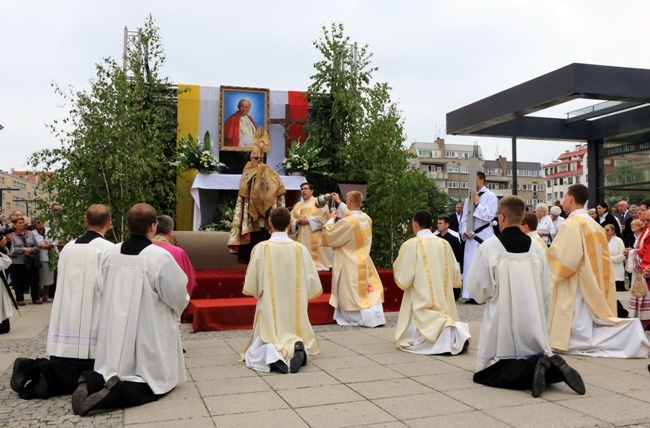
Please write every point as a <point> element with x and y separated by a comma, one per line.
<point>502,192</point>
<point>435,175</point>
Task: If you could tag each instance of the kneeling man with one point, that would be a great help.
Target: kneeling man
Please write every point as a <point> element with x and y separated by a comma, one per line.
<point>511,273</point>
<point>139,354</point>
<point>282,276</point>
<point>427,271</point>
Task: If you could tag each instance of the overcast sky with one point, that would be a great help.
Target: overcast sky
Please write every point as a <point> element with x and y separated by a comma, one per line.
<point>438,55</point>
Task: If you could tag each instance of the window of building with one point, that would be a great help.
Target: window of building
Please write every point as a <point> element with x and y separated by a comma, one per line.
<point>451,168</point>
<point>424,153</point>
<point>464,170</point>
<point>451,154</point>
<point>452,185</point>
<point>574,166</point>
<point>464,185</point>
<point>578,179</point>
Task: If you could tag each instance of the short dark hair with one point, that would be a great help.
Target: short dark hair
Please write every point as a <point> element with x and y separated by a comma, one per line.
<point>280,218</point>
<point>513,208</point>
<point>311,187</point>
<point>481,175</point>
<point>444,218</point>
<point>140,217</point>
<point>645,202</point>
<point>579,192</point>
<point>165,225</point>
<point>603,205</point>
<point>98,215</point>
<point>530,220</point>
<point>423,218</point>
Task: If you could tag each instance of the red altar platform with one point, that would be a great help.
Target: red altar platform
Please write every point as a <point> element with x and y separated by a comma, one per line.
<point>217,302</point>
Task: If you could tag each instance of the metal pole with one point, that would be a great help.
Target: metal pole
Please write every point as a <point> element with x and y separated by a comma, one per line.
<point>514,166</point>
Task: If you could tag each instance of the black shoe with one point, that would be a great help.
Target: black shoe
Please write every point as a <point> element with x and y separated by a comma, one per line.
<point>96,399</point>
<point>571,376</point>
<point>40,388</point>
<point>299,357</point>
<point>79,395</point>
<point>22,373</point>
<point>539,376</point>
<point>280,366</point>
<point>471,302</point>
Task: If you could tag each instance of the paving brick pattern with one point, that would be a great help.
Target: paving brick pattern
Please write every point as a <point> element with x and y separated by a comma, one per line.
<point>358,379</point>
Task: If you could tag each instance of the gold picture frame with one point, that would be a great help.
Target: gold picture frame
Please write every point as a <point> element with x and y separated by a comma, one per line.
<point>233,108</point>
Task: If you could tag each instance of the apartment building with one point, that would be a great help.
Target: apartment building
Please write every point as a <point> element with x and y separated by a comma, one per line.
<point>448,166</point>
<point>569,168</point>
<point>17,192</point>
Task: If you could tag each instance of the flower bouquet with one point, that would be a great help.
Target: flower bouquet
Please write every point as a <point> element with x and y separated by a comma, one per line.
<point>304,159</point>
<point>194,154</point>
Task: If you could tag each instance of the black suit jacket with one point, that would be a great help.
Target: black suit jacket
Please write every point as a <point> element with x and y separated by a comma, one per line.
<point>453,221</point>
<point>455,247</point>
<point>609,219</point>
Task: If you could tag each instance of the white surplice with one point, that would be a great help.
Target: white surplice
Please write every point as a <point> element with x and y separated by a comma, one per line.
<point>73,329</point>
<point>282,276</point>
<point>484,213</point>
<point>6,306</point>
<point>516,287</point>
<point>427,271</point>
<point>142,297</point>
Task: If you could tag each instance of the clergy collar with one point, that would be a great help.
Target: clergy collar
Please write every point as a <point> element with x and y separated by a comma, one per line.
<point>279,235</point>
<point>579,211</point>
<point>88,236</point>
<point>356,213</point>
<point>512,231</point>
<point>424,232</point>
<point>134,245</point>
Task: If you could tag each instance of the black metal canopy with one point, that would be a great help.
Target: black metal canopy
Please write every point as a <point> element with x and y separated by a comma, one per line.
<point>505,114</point>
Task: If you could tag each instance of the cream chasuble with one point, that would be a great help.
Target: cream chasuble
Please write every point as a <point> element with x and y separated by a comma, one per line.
<point>72,334</point>
<point>282,277</point>
<point>539,239</point>
<point>355,281</point>
<point>583,308</point>
<point>310,235</point>
<point>427,271</point>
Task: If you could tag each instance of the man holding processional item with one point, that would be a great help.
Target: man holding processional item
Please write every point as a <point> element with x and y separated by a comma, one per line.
<point>476,224</point>
<point>357,292</point>
<point>260,190</point>
<point>307,220</point>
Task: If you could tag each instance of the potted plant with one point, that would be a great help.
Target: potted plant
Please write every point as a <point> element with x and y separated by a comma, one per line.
<point>305,159</point>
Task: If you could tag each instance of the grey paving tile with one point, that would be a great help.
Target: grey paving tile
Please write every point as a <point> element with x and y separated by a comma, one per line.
<point>344,415</point>
<point>319,395</point>
<point>299,380</point>
<point>208,388</point>
<point>165,410</point>
<point>244,403</point>
<point>285,418</point>
<point>458,420</point>
<point>420,405</point>
<point>389,388</point>
<point>614,408</point>
<point>543,415</point>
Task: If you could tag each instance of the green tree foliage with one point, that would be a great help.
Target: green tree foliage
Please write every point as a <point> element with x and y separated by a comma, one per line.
<point>355,123</point>
<point>116,141</point>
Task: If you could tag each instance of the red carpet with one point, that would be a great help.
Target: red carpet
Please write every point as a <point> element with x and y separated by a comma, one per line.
<point>218,304</point>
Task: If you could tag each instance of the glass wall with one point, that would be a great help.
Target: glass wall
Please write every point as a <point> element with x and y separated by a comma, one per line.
<point>626,171</point>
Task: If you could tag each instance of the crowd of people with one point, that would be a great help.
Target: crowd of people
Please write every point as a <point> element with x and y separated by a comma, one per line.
<point>548,280</point>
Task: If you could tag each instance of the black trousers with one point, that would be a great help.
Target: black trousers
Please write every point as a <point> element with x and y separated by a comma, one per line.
<point>23,280</point>
<point>5,326</point>
<point>61,375</point>
<point>126,394</point>
<point>515,374</point>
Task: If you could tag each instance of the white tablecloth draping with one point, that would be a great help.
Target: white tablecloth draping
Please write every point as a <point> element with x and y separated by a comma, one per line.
<point>205,201</point>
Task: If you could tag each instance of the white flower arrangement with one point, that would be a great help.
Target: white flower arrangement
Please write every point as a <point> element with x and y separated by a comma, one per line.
<point>194,154</point>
